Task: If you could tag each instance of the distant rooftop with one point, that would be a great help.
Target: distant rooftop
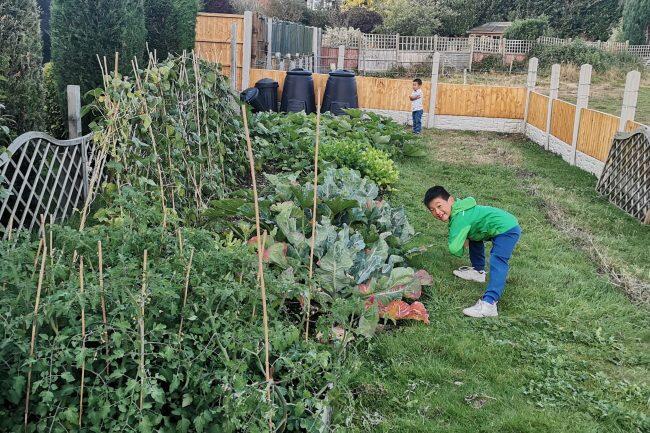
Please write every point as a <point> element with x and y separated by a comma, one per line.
<point>492,28</point>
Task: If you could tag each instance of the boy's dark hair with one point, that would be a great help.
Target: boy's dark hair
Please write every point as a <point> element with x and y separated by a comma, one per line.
<point>417,80</point>
<point>435,192</point>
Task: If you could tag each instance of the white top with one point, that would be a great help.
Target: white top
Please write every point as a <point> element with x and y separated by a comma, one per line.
<point>416,104</point>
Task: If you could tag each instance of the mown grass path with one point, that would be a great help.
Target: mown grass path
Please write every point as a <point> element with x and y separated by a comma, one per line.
<point>570,351</point>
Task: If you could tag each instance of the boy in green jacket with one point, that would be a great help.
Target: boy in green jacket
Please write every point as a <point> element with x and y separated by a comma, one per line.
<point>472,224</point>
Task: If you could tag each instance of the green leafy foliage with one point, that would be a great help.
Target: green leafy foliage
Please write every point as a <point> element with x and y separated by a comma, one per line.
<point>579,53</point>
<point>80,31</point>
<point>359,155</point>
<point>54,119</point>
<point>170,25</point>
<point>528,28</point>
<point>636,16</point>
<point>20,64</point>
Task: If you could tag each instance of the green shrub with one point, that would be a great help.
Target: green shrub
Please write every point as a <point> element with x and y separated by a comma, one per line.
<point>170,25</point>
<point>579,53</point>
<point>54,116</point>
<point>636,17</point>
<point>81,30</point>
<point>359,155</point>
<point>529,28</point>
<point>20,63</point>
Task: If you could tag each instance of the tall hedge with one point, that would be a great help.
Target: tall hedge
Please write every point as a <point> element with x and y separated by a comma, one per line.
<point>636,17</point>
<point>83,29</point>
<point>170,25</point>
<point>20,63</point>
<point>44,6</point>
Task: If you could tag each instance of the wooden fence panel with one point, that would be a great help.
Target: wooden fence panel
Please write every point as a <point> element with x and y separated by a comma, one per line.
<point>320,80</point>
<point>481,101</point>
<point>632,126</point>
<point>538,110</point>
<point>596,133</point>
<point>213,39</point>
<point>563,117</point>
<point>388,94</point>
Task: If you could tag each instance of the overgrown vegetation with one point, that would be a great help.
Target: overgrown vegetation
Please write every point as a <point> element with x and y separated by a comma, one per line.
<point>54,118</point>
<point>159,327</point>
<point>170,25</point>
<point>636,16</point>
<point>528,29</point>
<point>578,53</point>
<point>20,64</point>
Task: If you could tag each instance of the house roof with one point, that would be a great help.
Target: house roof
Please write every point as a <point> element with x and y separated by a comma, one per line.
<point>495,27</point>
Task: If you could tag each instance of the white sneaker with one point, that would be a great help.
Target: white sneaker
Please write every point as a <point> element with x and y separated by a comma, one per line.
<point>481,309</point>
<point>470,274</point>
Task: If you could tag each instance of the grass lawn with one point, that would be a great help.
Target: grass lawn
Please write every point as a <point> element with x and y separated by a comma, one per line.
<point>570,350</point>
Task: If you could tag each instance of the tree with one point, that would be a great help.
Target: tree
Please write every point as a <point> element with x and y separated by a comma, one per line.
<point>219,6</point>
<point>83,29</point>
<point>44,6</point>
<point>636,19</point>
<point>416,17</point>
<point>171,25</point>
<point>287,10</point>
<point>530,29</point>
<point>363,19</point>
<point>20,63</point>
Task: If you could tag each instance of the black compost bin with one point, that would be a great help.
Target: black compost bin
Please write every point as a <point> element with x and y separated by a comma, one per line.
<point>340,92</point>
<point>298,92</point>
<point>251,96</point>
<point>268,93</point>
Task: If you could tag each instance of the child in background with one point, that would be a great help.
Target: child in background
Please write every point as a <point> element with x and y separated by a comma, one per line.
<point>416,106</point>
<point>472,225</point>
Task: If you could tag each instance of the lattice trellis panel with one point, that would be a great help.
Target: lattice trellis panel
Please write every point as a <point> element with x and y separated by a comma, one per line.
<point>626,177</point>
<point>40,175</point>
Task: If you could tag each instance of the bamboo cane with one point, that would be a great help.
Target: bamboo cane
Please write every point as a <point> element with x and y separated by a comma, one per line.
<point>313,219</point>
<point>33,340</point>
<point>83,338</point>
<point>187,285</point>
<point>260,263</point>
<point>142,300</point>
<point>100,255</point>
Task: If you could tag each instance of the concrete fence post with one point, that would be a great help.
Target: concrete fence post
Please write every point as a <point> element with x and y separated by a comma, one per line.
<point>435,67</point>
<point>582,102</point>
<point>233,57</point>
<point>340,63</point>
<point>73,94</point>
<point>555,86</point>
<point>531,82</point>
<point>269,43</point>
<point>471,52</point>
<point>628,110</point>
<point>314,47</point>
<point>247,50</point>
<point>397,49</point>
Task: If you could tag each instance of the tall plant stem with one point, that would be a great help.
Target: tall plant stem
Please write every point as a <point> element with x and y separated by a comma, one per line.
<point>187,285</point>
<point>83,338</point>
<point>143,294</point>
<point>100,255</point>
<point>313,220</point>
<point>260,262</point>
<point>32,343</point>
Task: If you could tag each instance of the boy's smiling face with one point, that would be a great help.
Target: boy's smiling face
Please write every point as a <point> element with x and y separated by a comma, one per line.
<point>416,86</point>
<point>441,208</point>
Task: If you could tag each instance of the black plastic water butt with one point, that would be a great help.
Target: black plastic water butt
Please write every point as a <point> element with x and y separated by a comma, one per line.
<point>340,92</point>
<point>251,96</point>
<point>268,94</point>
<point>298,92</point>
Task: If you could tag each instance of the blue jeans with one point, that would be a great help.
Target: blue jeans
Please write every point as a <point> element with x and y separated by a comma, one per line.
<point>502,247</point>
<point>417,121</point>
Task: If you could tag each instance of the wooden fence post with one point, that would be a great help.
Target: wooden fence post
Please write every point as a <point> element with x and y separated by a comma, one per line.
<point>531,81</point>
<point>581,102</point>
<point>247,49</point>
<point>73,94</point>
<point>628,110</point>
<point>555,85</point>
<point>269,43</point>
<point>233,57</point>
<point>340,63</point>
<point>435,67</point>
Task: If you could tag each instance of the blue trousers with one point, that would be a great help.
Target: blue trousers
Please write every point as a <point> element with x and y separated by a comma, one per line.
<point>417,121</point>
<point>502,247</point>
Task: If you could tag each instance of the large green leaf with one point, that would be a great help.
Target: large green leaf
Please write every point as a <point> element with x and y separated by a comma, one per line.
<point>334,265</point>
<point>372,261</point>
